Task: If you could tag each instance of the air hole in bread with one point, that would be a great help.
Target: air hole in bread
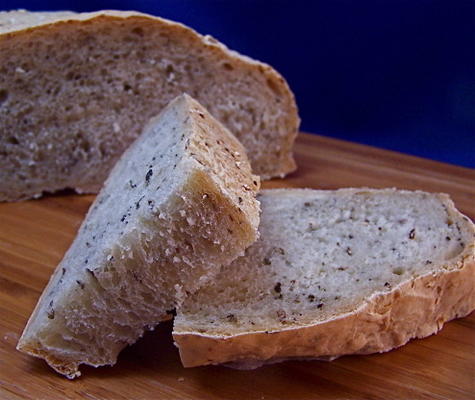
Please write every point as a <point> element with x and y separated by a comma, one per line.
<point>3,96</point>
<point>398,271</point>
<point>13,140</point>
<point>138,31</point>
<point>274,87</point>
<point>83,143</point>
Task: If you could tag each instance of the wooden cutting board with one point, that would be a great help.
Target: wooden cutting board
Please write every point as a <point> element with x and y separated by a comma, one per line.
<point>35,234</point>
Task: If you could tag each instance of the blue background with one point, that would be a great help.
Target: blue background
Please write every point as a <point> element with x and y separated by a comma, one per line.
<point>398,74</point>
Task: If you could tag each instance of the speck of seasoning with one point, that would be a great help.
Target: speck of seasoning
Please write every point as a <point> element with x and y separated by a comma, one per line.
<point>50,312</point>
<point>137,204</point>
<point>338,243</point>
<point>350,236</point>
<point>230,231</point>
<point>320,305</point>
<point>148,176</point>
<point>311,298</point>
<point>240,200</point>
<point>81,284</point>
<point>412,234</point>
<point>231,318</point>
<point>278,287</point>
<point>387,284</point>
<point>123,218</point>
<point>307,204</point>
<point>255,183</point>
<point>348,251</point>
<point>136,277</point>
<point>266,261</point>
<point>63,271</point>
<point>246,188</point>
<point>201,115</point>
<point>428,262</point>
<point>86,261</point>
<point>132,184</point>
<point>448,238</point>
<point>379,228</point>
<point>281,251</point>
<point>341,268</point>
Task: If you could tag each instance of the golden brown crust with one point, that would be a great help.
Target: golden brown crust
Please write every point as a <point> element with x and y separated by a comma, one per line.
<point>414,309</point>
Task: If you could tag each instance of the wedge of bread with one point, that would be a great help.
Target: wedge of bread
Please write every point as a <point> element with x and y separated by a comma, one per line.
<point>178,205</point>
<point>77,89</point>
<point>334,272</point>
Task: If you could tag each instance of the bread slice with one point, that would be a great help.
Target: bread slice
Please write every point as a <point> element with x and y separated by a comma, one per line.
<point>77,89</point>
<point>178,205</point>
<point>340,272</point>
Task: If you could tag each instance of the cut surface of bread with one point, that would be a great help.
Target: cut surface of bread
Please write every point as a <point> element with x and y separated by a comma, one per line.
<point>77,89</point>
<point>178,205</point>
<point>334,273</point>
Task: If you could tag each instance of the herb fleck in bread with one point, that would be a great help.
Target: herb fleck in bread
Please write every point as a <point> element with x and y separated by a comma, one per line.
<point>334,273</point>
<point>77,89</point>
<point>178,205</point>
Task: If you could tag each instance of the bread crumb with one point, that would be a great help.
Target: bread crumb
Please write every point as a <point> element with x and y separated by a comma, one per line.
<point>181,379</point>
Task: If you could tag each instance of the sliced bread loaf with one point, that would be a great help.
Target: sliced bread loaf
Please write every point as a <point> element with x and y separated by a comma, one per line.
<point>178,205</point>
<point>334,273</point>
<point>77,89</point>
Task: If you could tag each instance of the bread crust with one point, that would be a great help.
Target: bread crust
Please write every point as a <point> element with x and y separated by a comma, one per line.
<point>15,24</point>
<point>416,308</point>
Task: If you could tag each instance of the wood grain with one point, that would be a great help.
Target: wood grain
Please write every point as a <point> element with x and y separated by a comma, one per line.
<point>35,234</point>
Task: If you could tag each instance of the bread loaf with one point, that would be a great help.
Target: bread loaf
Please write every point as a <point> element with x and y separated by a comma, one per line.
<point>77,89</point>
<point>350,271</point>
<point>178,205</point>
